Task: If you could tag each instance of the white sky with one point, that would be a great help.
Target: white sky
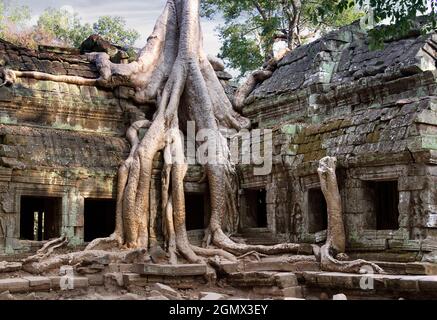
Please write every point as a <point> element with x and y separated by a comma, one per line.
<point>139,14</point>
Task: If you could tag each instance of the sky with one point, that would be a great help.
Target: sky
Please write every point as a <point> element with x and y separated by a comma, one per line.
<point>139,14</point>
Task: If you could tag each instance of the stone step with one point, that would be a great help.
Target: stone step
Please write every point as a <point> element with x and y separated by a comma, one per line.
<point>371,282</point>
<point>306,264</point>
<point>409,268</point>
<point>274,284</point>
<point>40,284</point>
<point>135,279</point>
<point>170,270</point>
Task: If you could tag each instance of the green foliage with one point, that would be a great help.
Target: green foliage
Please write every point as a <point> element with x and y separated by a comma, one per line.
<point>114,30</point>
<point>250,26</point>
<point>399,17</point>
<point>69,29</point>
<point>64,26</point>
<point>12,16</point>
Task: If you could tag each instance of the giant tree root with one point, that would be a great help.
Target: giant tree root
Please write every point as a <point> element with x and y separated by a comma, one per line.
<point>335,246</point>
<point>83,258</point>
<point>174,71</point>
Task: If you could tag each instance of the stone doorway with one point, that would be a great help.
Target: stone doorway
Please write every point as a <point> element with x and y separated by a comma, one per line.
<point>256,208</point>
<point>385,199</point>
<point>40,218</point>
<point>196,211</point>
<point>99,218</point>
<point>317,211</point>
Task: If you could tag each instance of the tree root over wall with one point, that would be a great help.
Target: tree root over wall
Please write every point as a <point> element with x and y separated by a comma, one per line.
<point>174,70</point>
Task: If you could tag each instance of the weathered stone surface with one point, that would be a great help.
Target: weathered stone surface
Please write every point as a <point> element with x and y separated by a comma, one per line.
<point>290,292</point>
<point>6,296</point>
<point>171,270</point>
<point>339,297</point>
<point>9,266</point>
<point>211,296</point>
<point>38,283</point>
<point>14,285</point>
<point>166,290</point>
<point>421,268</point>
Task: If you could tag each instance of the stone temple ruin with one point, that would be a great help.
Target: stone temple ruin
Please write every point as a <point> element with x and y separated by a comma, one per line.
<point>375,111</point>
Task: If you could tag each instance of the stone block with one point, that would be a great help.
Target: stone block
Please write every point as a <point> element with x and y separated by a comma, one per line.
<point>6,94</point>
<point>115,278</point>
<point>80,282</point>
<point>402,283</point>
<point>39,283</point>
<point>96,279</point>
<point>171,270</point>
<point>211,296</point>
<point>116,267</point>
<point>285,280</point>
<point>166,290</point>
<point>133,279</point>
<point>55,282</point>
<point>428,284</point>
<point>14,285</point>
<point>421,268</point>
<point>339,297</point>
<point>291,292</point>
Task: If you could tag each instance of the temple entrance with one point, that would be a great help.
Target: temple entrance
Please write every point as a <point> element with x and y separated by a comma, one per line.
<point>40,218</point>
<point>195,211</point>
<point>256,208</point>
<point>99,218</point>
<point>385,199</point>
<point>317,211</point>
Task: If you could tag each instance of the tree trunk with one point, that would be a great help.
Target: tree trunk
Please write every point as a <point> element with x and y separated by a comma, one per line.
<point>174,71</point>
<point>333,252</point>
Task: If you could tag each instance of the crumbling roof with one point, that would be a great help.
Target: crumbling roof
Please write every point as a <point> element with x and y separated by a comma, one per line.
<point>344,56</point>
<point>47,61</point>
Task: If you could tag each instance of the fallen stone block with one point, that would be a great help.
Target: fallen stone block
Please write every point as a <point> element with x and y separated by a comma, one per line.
<point>129,279</point>
<point>68,283</point>
<point>14,285</point>
<point>39,283</point>
<point>252,279</point>
<point>211,296</point>
<point>96,279</point>
<point>282,266</point>
<point>117,278</point>
<point>166,290</point>
<point>124,268</point>
<point>285,280</point>
<point>171,270</point>
<point>421,268</point>
<point>293,292</point>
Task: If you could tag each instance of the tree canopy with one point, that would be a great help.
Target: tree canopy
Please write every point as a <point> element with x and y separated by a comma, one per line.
<point>68,28</point>
<point>60,27</point>
<point>251,26</point>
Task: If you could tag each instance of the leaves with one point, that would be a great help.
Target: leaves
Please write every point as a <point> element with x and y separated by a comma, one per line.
<point>60,27</point>
<point>114,30</point>
<point>250,26</point>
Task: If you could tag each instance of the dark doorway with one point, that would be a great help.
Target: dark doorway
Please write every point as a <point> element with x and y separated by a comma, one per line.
<point>40,218</point>
<point>99,218</point>
<point>256,208</point>
<point>317,211</point>
<point>195,211</point>
<point>386,202</point>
